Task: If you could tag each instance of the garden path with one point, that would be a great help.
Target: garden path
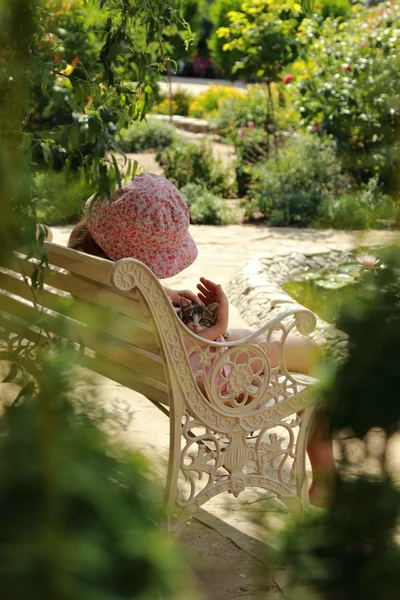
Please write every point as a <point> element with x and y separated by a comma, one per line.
<point>225,537</point>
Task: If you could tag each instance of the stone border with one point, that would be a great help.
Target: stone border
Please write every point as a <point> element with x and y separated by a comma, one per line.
<point>257,292</point>
<point>187,123</point>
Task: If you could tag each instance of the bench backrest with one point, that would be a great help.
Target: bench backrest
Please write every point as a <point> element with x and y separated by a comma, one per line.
<point>79,298</point>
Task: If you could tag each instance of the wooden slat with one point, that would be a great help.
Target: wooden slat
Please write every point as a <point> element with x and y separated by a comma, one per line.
<point>126,303</point>
<point>137,381</point>
<point>118,351</point>
<point>99,318</point>
<point>89,267</point>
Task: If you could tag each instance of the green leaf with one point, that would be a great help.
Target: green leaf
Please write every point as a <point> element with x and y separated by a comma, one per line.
<point>27,390</point>
<point>117,173</point>
<point>12,373</point>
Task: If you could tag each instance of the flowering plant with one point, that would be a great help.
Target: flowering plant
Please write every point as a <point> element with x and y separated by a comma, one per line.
<point>349,87</point>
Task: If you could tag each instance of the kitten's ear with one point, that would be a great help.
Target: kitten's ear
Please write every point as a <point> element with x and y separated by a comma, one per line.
<point>213,307</point>
<point>184,302</point>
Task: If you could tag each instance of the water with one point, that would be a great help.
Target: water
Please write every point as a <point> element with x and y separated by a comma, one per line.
<point>324,292</point>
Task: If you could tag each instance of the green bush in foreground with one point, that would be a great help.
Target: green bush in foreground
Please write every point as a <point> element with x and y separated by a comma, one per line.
<point>194,163</point>
<point>351,550</point>
<point>152,134</point>
<point>205,208</point>
<point>80,517</point>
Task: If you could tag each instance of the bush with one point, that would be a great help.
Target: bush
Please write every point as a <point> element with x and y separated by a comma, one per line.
<point>194,163</point>
<point>180,103</point>
<point>153,134</point>
<point>219,18</point>
<point>252,147</point>
<point>252,108</point>
<point>289,190</point>
<point>262,34</point>
<point>335,9</point>
<point>361,209</point>
<point>349,88</point>
<point>60,198</point>
<point>208,103</point>
<point>205,208</point>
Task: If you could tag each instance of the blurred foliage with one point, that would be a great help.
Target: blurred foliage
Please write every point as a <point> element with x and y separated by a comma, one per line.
<point>59,198</point>
<point>207,104</point>
<point>181,100</point>
<point>195,163</point>
<point>334,8</point>
<point>349,88</point>
<point>219,18</point>
<point>151,134</point>
<point>78,513</point>
<point>351,551</point>
<point>206,208</point>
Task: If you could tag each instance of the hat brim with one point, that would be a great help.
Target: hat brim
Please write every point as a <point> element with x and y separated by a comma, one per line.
<point>169,262</point>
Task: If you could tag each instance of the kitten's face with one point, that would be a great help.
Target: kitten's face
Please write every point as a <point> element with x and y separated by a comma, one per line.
<point>197,317</point>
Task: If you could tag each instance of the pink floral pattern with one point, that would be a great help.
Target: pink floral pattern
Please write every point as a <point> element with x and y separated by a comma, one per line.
<point>148,220</point>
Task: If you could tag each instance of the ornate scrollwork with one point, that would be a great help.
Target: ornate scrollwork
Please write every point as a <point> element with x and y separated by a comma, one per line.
<point>306,322</point>
<point>123,274</point>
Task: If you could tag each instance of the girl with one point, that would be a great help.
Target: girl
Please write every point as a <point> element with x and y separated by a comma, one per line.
<point>149,220</point>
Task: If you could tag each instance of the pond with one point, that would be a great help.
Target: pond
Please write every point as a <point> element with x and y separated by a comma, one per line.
<point>324,292</point>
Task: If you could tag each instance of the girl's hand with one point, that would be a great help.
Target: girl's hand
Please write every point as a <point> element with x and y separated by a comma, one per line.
<point>175,295</point>
<point>212,292</point>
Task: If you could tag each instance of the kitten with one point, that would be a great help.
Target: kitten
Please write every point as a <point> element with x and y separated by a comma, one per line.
<point>197,317</point>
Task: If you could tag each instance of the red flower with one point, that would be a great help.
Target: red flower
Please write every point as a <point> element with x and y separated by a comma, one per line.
<point>315,127</point>
<point>287,79</point>
<point>348,68</point>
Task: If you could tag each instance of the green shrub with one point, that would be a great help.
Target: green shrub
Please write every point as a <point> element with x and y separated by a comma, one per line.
<point>252,108</point>
<point>205,207</point>
<point>207,103</point>
<point>349,88</point>
<point>60,198</point>
<point>219,18</point>
<point>289,190</point>
<point>181,100</point>
<point>252,147</point>
<point>362,209</point>
<point>194,163</point>
<point>335,8</point>
<point>262,36</point>
<point>153,134</point>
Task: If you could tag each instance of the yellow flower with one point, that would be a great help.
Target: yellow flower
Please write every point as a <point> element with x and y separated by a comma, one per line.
<point>68,70</point>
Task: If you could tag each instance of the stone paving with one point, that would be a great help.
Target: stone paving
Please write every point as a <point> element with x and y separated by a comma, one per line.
<point>227,529</point>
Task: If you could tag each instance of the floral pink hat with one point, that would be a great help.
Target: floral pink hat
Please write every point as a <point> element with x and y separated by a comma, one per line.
<point>148,220</point>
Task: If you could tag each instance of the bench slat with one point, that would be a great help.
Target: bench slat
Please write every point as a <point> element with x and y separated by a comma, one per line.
<point>130,356</point>
<point>126,303</point>
<point>89,267</point>
<point>99,318</point>
<point>137,381</point>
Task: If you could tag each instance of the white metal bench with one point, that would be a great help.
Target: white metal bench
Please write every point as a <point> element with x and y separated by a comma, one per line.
<point>234,423</point>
